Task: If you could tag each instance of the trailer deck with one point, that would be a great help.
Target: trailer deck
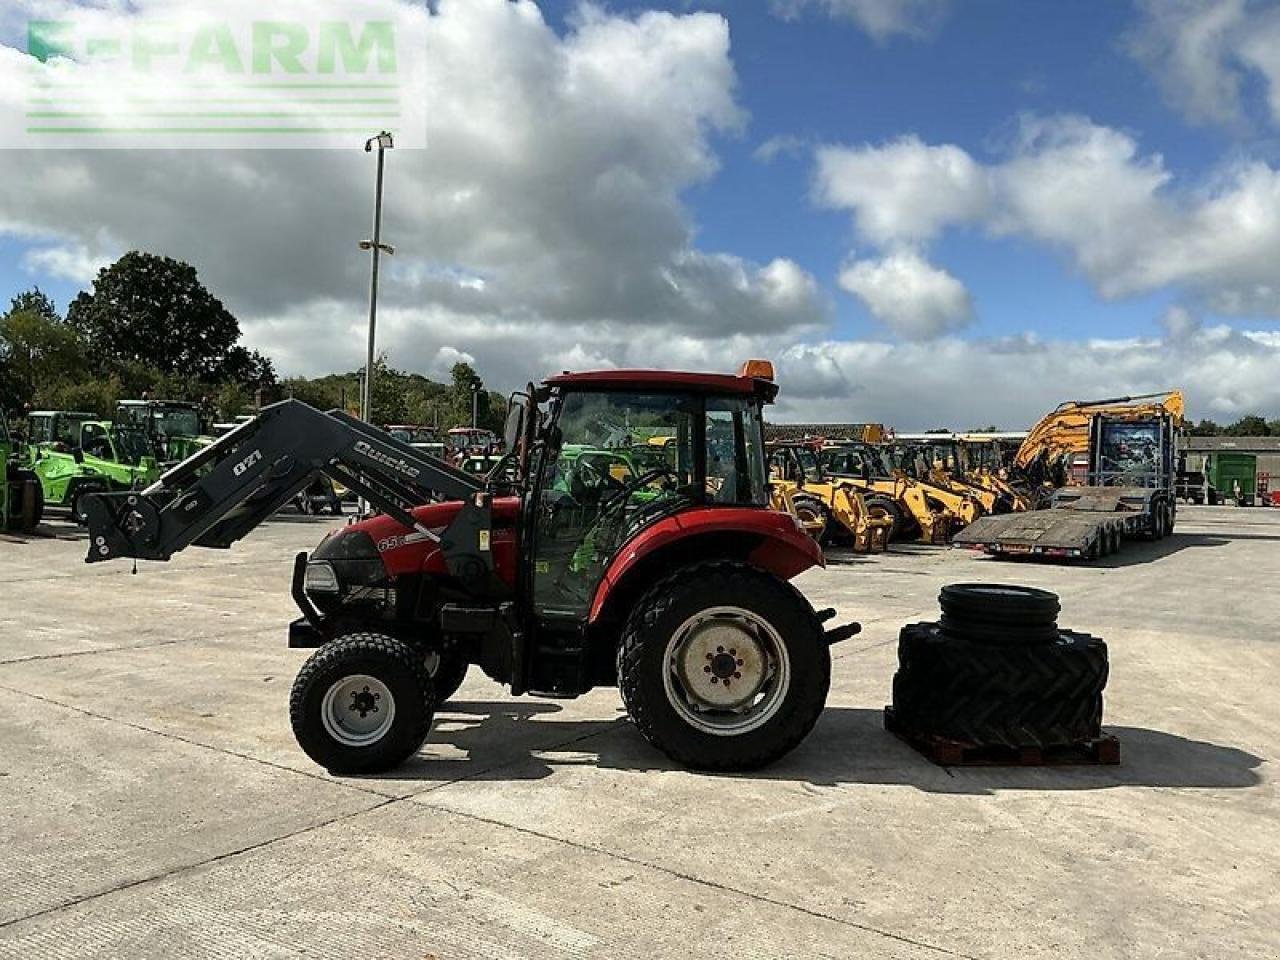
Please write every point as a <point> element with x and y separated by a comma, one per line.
<point>1074,527</point>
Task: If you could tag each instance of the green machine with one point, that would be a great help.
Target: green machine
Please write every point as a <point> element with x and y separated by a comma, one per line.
<point>21,506</point>
<point>1234,476</point>
<point>74,454</point>
<point>174,428</point>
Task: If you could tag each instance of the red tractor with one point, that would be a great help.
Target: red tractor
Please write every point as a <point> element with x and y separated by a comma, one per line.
<point>551,575</point>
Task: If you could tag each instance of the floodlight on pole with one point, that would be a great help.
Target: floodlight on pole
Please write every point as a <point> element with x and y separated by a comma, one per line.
<point>383,142</point>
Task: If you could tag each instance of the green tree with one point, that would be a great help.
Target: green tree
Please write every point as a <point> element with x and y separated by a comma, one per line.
<point>38,350</point>
<point>154,311</point>
<point>1206,428</point>
<point>1248,426</point>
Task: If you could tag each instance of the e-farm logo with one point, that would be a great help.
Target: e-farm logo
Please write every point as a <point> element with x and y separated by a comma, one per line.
<point>133,82</point>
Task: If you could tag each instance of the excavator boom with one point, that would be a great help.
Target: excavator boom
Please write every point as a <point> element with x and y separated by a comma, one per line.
<point>1066,429</point>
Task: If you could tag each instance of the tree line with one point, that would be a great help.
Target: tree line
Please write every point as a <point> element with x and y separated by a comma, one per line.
<point>149,327</point>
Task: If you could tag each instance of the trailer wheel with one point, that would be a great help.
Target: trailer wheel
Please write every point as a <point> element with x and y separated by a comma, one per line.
<point>723,667</point>
<point>448,669</point>
<point>885,508</point>
<point>362,704</point>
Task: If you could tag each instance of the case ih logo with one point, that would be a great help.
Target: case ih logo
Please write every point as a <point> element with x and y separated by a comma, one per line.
<point>398,464</point>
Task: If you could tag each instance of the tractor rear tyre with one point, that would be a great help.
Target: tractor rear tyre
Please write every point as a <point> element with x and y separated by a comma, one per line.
<point>999,614</point>
<point>362,704</point>
<point>448,669</point>
<point>1041,696</point>
<point>886,508</point>
<point>723,667</point>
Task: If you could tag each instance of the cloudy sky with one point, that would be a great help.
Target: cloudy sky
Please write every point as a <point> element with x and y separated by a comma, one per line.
<point>926,212</point>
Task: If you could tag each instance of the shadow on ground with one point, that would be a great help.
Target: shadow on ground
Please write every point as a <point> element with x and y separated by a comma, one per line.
<point>848,746</point>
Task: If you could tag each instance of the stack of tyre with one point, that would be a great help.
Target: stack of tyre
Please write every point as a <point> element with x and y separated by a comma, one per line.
<point>997,671</point>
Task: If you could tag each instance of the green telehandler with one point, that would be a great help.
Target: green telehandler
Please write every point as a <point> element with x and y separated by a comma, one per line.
<point>175,429</point>
<point>74,454</point>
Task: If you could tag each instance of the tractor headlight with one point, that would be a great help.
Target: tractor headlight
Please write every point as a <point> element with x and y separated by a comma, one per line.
<point>320,578</point>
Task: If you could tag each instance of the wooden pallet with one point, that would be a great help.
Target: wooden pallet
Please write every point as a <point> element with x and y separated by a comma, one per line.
<point>1103,750</point>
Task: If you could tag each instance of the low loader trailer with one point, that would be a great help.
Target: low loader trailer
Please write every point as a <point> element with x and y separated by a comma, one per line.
<point>1129,495</point>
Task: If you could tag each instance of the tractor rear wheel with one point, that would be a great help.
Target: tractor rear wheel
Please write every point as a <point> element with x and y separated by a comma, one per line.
<point>362,704</point>
<point>723,667</point>
<point>881,507</point>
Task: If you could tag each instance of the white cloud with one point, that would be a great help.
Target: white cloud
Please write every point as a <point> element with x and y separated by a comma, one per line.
<point>1120,216</point>
<point>74,262</point>
<point>1204,53</point>
<point>881,19</point>
<point>915,299</point>
<point>1012,382</point>
<point>902,191</point>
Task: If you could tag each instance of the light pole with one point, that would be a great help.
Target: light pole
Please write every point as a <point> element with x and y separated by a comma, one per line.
<point>475,404</point>
<point>384,143</point>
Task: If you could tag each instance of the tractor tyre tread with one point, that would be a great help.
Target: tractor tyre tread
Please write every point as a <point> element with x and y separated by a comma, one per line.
<point>642,689</point>
<point>407,678</point>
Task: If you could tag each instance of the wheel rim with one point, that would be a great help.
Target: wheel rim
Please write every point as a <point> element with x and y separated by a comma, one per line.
<point>358,710</point>
<point>726,671</point>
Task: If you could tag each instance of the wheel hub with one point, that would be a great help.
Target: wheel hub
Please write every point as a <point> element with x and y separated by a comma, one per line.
<point>727,671</point>
<point>357,710</point>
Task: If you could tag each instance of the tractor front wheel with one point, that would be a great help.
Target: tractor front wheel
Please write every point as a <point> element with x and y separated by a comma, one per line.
<point>448,669</point>
<point>362,704</point>
<point>723,667</point>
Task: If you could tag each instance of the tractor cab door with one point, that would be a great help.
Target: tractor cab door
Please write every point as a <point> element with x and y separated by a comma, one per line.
<point>598,485</point>
<point>590,490</point>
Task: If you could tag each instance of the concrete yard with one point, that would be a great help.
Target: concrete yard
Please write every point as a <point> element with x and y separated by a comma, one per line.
<point>154,804</point>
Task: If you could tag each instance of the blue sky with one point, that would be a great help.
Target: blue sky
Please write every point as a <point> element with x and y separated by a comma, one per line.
<point>1057,182</point>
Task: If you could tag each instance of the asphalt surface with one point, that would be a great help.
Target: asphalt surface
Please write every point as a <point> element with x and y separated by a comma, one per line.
<point>153,802</point>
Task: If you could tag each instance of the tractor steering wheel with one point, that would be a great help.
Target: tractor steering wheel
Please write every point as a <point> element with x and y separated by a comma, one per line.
<point>618,502</point>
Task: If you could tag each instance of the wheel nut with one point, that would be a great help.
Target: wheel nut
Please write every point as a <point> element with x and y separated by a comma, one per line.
<point>733,653</point>
<point>737,676</point>
<point>739,663</point>
<point>719,649</point>
<point>706,669</point>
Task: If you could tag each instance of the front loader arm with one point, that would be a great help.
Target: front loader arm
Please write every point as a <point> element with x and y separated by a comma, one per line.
<point>215,497</point>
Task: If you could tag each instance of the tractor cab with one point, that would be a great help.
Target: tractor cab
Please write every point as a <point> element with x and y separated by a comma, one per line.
<point>588,497</point>
<point>174,429</point>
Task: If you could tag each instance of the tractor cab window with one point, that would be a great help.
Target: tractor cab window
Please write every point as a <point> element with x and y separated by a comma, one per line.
<point>623,461</point>
<point>40,430</point>
<point>809,463</point>
<point>130,444</point>
<point>95,441</point>
<point>176,421</point>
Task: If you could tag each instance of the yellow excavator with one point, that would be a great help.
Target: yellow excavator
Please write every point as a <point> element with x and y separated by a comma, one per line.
<point>1056,450</point>
<point>917,505</point>
<point>830,509</point>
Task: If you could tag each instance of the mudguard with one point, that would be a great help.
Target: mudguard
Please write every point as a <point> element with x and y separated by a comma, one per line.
<point>784,549</point>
